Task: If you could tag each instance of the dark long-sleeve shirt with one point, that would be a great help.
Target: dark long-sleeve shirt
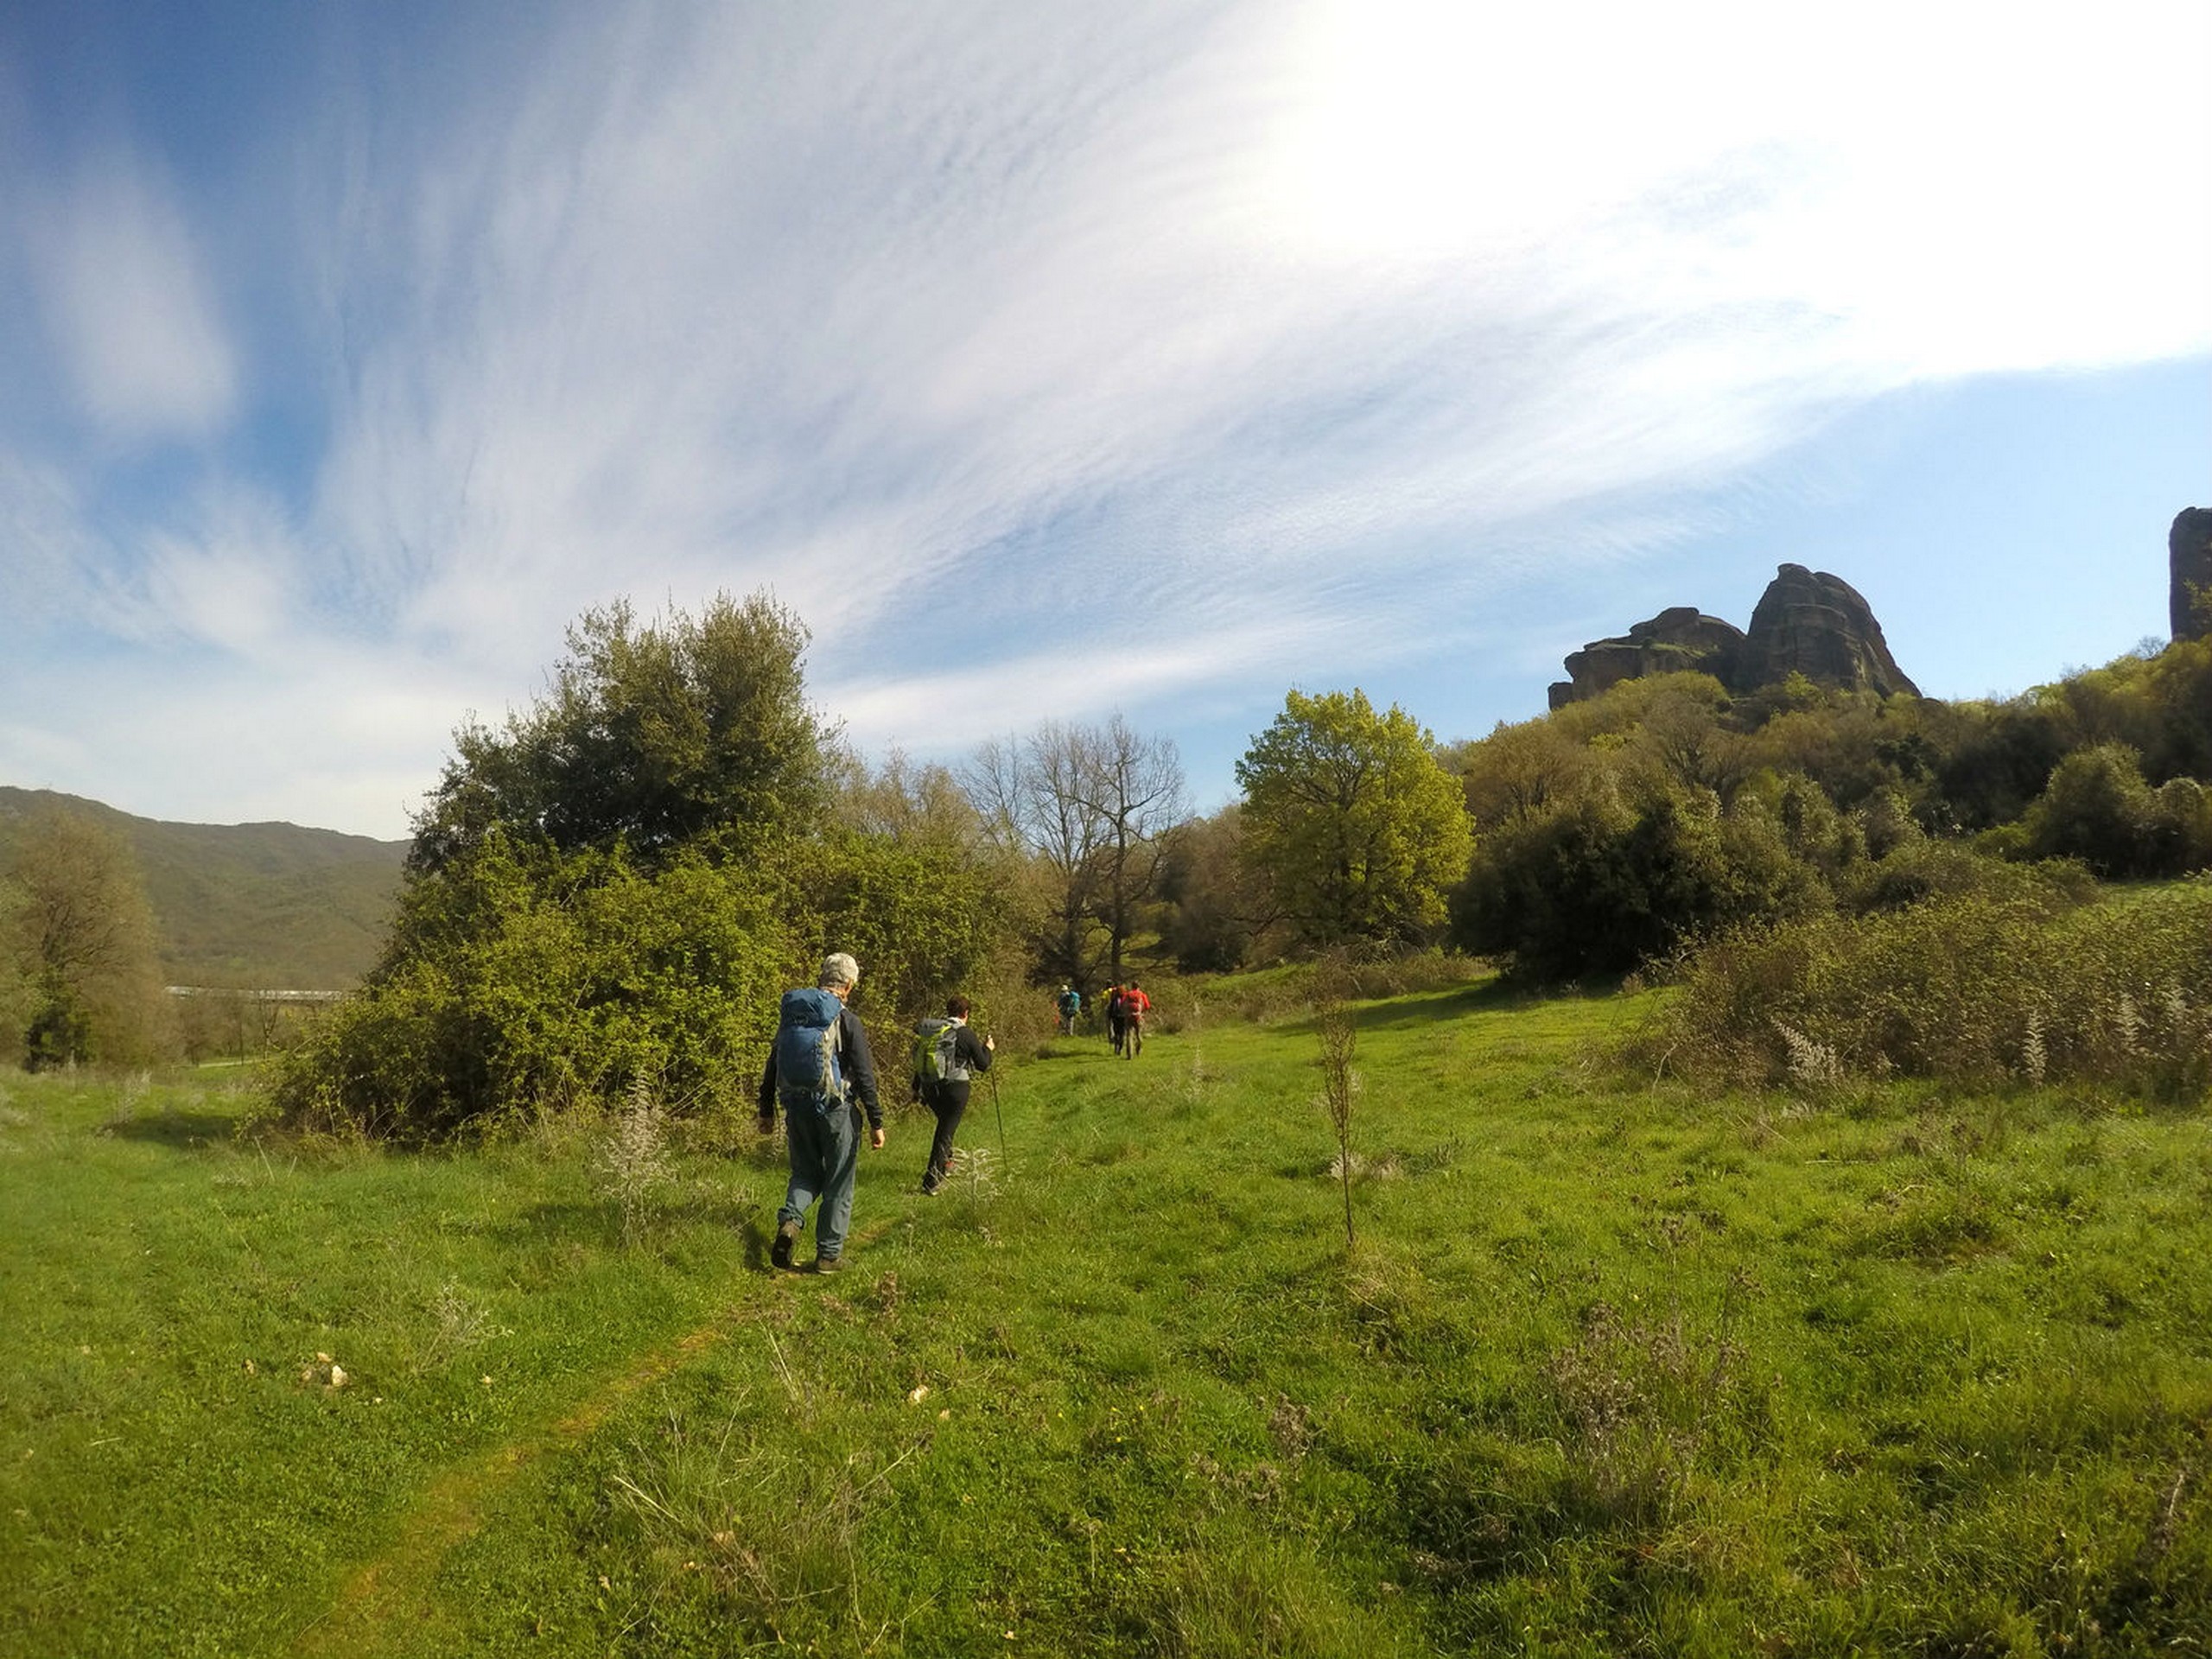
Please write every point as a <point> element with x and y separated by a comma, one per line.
<point>968,1050</point>
<point>857,1065</point>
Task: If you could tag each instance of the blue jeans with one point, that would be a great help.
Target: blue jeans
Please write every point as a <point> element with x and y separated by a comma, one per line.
<point>825,1152</point>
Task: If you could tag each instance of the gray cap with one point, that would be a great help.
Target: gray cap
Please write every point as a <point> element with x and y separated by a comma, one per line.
<point>838,969</point>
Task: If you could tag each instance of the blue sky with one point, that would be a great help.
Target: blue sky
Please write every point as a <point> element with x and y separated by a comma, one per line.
<point>1054,360</point>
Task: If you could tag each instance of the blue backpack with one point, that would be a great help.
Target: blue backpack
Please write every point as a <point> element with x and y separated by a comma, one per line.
<point>807,1070</point>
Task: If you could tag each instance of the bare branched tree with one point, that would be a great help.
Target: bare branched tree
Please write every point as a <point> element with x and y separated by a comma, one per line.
<point>1095,805</point>
<point>1133,788</point>
<point>1026,792</point>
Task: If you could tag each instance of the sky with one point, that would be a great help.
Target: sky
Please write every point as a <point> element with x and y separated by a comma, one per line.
<point>1053,361</point>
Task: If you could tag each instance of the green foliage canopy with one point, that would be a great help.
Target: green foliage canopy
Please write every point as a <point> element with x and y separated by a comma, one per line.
<point>1623,827</point>
<point>1358,830</point>
<point>82,982</point>
<point>689,732</point>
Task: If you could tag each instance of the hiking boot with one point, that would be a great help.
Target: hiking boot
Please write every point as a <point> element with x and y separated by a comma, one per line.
<point>786,1238</point>
<point>928,1189</point>
<point>828,1264</point>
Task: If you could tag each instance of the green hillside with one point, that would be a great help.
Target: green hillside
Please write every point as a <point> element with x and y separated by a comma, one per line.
<point>265,905</point>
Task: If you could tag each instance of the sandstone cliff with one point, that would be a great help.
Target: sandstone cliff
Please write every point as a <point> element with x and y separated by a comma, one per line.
<point>1807,622</point>
<point>2188,553</point>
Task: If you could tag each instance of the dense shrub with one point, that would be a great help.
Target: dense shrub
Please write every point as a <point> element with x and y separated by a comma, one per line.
<point>617,885</point>
<point>524,981</point>
<point>1596,883</point>
<point>920,916</point>
<point>1923,868</point>
<point>2099,809</point>
<point>2025,985</point>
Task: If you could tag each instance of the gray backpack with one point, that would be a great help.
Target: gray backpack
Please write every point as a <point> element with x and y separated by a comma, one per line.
<point>936,1051</point>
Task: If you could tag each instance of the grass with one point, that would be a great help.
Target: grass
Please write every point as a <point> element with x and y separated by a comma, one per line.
<point>1613,1368</point>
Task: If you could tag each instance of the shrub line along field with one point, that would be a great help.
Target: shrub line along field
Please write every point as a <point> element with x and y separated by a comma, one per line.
<point>1612,1367</point>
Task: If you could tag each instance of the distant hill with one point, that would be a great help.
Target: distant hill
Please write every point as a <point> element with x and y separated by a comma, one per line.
<point>266,906</point>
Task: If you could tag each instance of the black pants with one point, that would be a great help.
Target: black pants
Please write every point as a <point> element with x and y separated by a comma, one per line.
<point>949,1101</point>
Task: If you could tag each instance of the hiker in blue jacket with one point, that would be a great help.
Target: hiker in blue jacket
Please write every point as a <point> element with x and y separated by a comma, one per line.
<point>819,1068</point>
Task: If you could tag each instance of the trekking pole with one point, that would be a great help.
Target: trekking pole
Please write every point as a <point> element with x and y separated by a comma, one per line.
<point>999,1114</point>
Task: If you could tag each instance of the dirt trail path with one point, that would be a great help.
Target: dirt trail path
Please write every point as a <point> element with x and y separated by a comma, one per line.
<point>396,1586</point>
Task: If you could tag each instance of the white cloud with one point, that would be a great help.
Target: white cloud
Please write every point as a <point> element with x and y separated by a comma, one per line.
<point>129,305</point>
<point>930,714</point>
<point>51,553</point>
<point>848,327</point>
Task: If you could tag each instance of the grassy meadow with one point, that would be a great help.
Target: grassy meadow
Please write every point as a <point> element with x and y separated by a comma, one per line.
<point>1612,1366</point>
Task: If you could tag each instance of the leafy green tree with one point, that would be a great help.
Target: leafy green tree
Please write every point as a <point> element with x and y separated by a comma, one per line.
<point>902,801</point>
<point>1517,769</point>
<point>18,995</point>
<point>2099,810</point>
<point>1602,881</point>
<point>617,885</point>
<point>86,970</point>
<point>1358,830</point>
<point>1997,758</point>
<point>693,732</point>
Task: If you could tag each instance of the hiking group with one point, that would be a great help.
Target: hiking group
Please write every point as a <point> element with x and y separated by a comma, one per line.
<point>1126,1008</point>
<point>822,1076</point>
<point>820,1071</point>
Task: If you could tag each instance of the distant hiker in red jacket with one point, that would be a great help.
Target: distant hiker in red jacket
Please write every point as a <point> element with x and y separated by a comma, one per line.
<point>1135,1005</point>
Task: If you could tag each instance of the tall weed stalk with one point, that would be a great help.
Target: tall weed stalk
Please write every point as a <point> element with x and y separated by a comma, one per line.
<point>1338,1032</point>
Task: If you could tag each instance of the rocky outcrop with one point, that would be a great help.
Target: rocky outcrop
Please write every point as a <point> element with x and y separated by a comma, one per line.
<point>2188,554</point>
<point>1682,640</point>
<point>1811,623</point>
<point>1808,622</point>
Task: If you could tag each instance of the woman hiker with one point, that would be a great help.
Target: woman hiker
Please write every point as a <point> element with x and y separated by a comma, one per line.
<point>947,1053</point>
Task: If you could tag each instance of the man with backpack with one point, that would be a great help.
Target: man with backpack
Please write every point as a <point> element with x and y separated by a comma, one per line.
<point>820,1071</point>
<point>1135,1005</point>
<point>1071,1005</point>
<point>946,1054</point>
<point>1116,1010</point>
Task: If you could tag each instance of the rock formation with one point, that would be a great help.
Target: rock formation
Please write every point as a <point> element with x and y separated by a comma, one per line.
<point>1808,622</point>
<point>1675,641</point>
<point>2188,553</point>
